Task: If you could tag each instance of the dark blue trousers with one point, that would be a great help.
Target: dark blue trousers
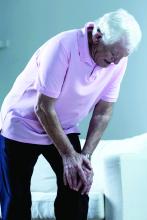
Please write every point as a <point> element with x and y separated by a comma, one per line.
<point>17,164</point>
<point>1,143</point>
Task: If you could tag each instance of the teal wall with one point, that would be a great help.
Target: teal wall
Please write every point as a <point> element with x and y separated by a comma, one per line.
<point>27,24</point>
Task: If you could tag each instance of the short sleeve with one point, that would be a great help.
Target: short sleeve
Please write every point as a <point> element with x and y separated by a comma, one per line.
<point>52,65</point>
<point>111,93</point>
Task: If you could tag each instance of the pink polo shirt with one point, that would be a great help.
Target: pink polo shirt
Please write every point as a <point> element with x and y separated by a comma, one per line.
<point>61,68</point>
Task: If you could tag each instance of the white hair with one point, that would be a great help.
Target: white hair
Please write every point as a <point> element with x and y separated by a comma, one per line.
<point>119,25</point>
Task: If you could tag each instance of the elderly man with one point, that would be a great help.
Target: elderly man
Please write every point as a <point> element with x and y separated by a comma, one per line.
<point>72,74</point>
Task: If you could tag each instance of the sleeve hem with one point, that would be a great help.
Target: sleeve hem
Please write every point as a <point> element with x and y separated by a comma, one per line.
<point>109,99</point>
<point>48,93</point>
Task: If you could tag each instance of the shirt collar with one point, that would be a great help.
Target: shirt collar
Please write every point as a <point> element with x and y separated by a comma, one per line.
<point>83,44</point>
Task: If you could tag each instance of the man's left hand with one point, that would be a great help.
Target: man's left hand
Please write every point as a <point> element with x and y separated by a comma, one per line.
<point>84,189</point>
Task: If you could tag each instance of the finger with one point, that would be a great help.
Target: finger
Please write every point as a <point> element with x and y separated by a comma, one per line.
<point>82,175</point>
<point>64,179</point>
<point>89,173</point>
<point>74,180</point>
<point>79,185</point>
<point>84,190</point>
<point>68,178</point>
<point>88,190</point>
<point>86,170</point>
<point>87,163</point>
<point>89,187</point>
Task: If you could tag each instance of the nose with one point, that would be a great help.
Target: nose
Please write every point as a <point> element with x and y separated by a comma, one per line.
<point>115,60</point>
<point>112,59</point>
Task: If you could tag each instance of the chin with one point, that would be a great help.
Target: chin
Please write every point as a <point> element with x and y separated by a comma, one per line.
<point>103,65</point>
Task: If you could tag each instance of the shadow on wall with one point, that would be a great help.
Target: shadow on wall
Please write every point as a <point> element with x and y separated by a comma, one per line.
<point>108,208</point>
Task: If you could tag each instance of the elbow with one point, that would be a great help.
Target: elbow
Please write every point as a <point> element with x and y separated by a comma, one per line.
<point>44,106</point>
<point>107,115</point>
<point>103,117</point>
<point>41,110</point>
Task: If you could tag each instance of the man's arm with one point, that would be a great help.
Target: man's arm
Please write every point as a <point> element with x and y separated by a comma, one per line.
<point>72,161</point>
<point>99,121</point>
<point>47,116</point>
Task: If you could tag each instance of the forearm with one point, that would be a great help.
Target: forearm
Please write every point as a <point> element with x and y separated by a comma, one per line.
<point>52,126</point>
<point>97,126</point>
<point>95,131</point>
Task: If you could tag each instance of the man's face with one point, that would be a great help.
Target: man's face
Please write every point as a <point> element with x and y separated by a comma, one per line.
<point>103,55</point>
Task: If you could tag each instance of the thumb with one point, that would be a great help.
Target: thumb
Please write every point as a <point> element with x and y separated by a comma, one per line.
<point>87,162</point>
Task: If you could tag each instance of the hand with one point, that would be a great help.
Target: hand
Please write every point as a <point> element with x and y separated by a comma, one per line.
<point>73,171</point>
<point>89,180</point>
<point>89,177</point>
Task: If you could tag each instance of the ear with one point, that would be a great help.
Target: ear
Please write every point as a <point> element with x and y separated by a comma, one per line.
<point>89,32</point>
<point>99,33</point>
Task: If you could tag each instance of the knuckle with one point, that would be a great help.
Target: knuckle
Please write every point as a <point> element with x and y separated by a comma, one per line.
<point>76,166</point>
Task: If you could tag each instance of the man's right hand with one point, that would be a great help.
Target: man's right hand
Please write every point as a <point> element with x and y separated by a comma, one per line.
<point>73,171</point>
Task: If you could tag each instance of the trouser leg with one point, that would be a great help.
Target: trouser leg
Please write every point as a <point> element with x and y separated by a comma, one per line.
<point>1,142</point>
<point>17,163</point>
<point>69,204</point>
